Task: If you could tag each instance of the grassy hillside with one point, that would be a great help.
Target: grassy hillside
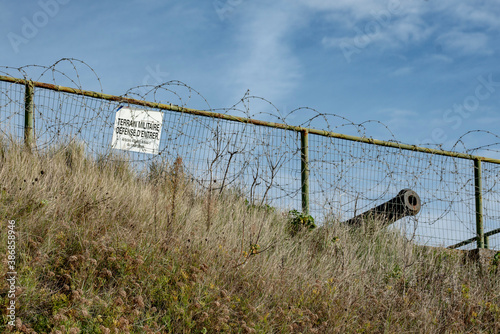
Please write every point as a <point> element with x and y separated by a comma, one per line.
<point>102,250</point>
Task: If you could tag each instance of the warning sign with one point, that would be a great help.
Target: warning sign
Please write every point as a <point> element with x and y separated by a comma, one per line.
<point>137,130</point>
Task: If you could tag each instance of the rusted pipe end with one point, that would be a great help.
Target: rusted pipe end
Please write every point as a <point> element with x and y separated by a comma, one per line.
<point>411,201</point>
<point>406,203</point>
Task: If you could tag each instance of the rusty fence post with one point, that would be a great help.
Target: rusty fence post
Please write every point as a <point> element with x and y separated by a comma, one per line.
<point>478,194</point>
<point>304,172</point>
<point>28,115</point>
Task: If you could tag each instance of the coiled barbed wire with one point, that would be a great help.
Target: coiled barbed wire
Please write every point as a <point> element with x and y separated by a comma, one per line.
<point>264,163</point>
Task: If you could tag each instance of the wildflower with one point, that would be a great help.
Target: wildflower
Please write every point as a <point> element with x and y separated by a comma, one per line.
<point>85,313</point>
<point>254,249</point>
<point>247,329</point>
<point>204,316</point>
<point>75,295</point>
<point>123,322</point>
<point>107,273</point>
<point>139,301</point>
<point>104,330</point>
<point>139,261</point>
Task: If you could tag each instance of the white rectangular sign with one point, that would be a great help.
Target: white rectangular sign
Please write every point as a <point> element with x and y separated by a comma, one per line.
<point>137,130</point>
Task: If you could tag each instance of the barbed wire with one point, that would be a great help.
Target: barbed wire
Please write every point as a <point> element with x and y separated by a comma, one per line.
<point>264,163</point>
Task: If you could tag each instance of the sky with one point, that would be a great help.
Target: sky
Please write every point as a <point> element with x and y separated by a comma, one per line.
<point>429,70</point>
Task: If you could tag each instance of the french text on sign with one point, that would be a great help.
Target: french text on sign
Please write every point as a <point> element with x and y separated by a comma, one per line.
<point>137,130</point>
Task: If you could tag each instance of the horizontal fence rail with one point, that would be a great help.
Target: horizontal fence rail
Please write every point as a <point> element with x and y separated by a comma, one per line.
<point>329,175</point>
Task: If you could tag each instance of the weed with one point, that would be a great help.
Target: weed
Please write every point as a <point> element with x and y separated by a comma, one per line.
<point>299,222</point>
<point>105,250</point>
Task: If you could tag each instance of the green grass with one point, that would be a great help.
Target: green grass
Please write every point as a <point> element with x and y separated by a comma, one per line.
<point>101,249</point>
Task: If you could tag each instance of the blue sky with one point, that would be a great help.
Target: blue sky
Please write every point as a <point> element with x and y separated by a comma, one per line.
<point>428,69</point>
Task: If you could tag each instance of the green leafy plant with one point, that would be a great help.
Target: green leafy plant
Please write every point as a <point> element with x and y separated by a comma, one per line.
<point>263,207</point>
<point>495,263</point>
<point>299,222</point>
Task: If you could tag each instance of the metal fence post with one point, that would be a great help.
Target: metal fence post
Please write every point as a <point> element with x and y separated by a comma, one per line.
<point>304,173</point>
<point>478,193</point>
<point>28,115</point>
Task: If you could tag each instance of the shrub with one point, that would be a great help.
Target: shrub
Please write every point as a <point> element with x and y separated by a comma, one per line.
<point>299,222</point>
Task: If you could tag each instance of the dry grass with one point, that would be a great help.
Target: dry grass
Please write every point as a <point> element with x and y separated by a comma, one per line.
<point>102,250</point>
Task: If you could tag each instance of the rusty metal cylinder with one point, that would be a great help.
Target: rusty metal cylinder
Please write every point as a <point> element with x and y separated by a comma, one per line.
<point>406,203</point>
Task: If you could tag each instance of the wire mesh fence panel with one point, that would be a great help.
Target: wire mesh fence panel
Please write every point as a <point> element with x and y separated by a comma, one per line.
<point>348,178</point>
<point>491,202</point>
<point>12,109</point>
<point>62,117</point>
<point>263,162</point>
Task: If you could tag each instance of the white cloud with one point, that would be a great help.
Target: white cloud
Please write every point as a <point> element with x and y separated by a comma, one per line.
<point>484,15</point>
<point>358,9</point>
<point>396,24</point>
<point>441,58</point>
<point>487,115</point>
<point>392,33</point>
<point>399,121</point>
<point>410,29</point>
<point>466,43</point>
<point>264,61</point>
<point>403,71</point>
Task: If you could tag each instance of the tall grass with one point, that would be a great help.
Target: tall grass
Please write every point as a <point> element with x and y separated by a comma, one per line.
<point>103,249</point>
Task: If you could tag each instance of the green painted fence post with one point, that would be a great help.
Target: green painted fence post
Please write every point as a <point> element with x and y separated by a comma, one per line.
<point>478,192</point>
<point>304,173</point>
<point>28,115</point>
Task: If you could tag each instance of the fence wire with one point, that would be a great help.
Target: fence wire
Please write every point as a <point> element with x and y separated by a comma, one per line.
<point>264,163</point>
<point>12,110</point>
